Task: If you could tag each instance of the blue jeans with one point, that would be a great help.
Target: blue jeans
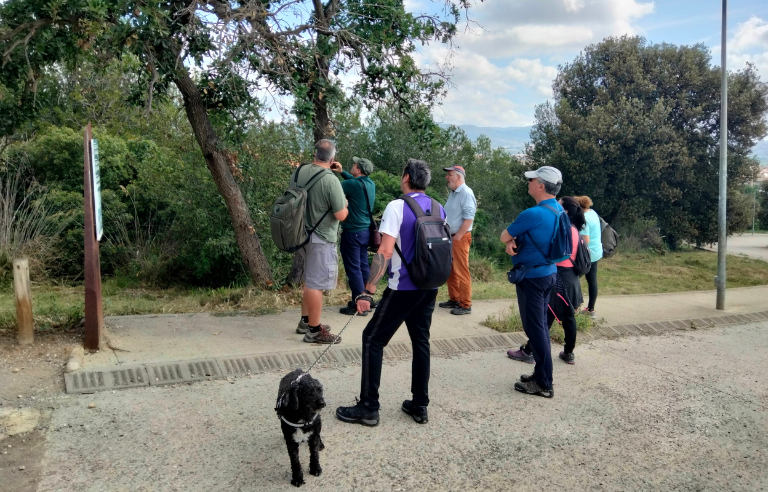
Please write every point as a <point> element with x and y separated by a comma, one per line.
<point>354,253</point>
<point>532,300</point>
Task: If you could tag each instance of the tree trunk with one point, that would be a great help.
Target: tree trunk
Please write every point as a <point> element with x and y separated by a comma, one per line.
<point>322,129</point>
<point>221,163</point>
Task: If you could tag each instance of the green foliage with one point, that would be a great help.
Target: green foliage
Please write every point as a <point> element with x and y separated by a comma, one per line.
<point>636,127</point>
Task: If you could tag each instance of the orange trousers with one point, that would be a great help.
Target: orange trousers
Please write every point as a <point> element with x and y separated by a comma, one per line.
<point>460,282</point>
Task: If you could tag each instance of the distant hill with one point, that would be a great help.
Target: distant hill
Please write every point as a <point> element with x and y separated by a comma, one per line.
<point>512,138</point>
<point>761,151</point>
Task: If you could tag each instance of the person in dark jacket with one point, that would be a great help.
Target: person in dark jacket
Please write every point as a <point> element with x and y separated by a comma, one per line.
<point>355,230</point>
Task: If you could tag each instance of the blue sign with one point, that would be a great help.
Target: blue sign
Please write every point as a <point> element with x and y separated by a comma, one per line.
<point>96,189</point>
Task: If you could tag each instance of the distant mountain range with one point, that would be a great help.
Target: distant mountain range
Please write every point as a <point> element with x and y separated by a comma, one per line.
<point>513,138</point>
<point>761,152</point>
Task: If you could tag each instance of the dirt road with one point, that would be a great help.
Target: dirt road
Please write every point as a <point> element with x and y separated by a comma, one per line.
<point>683,411</point>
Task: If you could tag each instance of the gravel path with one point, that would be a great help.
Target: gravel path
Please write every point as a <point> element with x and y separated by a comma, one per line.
<point>683,411</point>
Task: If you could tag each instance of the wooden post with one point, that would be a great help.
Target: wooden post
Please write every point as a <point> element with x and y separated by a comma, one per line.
<point>94,315</point>
<point>23,301</point>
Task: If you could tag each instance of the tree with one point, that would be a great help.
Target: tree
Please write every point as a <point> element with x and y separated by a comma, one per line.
<point>637,127</point>
<point>216,53</point>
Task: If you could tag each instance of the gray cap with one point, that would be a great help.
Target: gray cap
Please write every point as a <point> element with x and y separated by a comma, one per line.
<point>546,173</point>
<point>366,166</point>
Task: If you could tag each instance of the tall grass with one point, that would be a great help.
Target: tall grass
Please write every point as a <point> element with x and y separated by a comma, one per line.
<point>29,225</point>
<point>144,250</point>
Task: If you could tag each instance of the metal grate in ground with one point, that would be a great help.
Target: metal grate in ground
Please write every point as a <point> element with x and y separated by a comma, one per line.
<point>90,381</point>
<point>158,374</point>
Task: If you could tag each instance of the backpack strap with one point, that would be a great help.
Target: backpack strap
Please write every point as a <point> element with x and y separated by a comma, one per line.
<point>557,215</point>
<point>309,184</point>
<point>367,202</point>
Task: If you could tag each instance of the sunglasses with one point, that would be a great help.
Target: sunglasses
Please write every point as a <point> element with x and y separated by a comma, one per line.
<point>531,179</point>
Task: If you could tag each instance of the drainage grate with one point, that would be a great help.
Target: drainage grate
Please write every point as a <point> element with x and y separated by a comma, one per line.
<point>118,378</point>
<point>235,366</point>
<point>269,362</point>
<point>397,350</point>
<point>180,372</point>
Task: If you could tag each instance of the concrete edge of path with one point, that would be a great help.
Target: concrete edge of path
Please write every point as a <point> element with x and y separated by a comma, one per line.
<point>187,371</point>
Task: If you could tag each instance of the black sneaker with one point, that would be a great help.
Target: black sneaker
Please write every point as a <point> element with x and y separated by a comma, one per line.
<point>358,414</point>
<point>461,310</point>
<point>567,358</point>
<point>418,413</point>
<point>350,310</point>
<point>533,388</point>
<point>449,304</point>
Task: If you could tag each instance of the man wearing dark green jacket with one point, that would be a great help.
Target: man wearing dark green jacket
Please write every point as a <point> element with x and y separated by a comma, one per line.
<point>354,230</point>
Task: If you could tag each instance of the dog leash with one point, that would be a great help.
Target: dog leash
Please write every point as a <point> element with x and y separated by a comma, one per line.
<point>330,345</point>
<point>314,363</point>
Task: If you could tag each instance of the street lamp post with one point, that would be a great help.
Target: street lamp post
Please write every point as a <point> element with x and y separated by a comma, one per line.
<point>721,237</point>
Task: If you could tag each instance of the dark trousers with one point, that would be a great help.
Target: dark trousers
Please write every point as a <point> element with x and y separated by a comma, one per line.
<point>558,309</point>
<point>354,253</point>
<point>591,277</point>
<point>532,299</point>
<point>415,307</point>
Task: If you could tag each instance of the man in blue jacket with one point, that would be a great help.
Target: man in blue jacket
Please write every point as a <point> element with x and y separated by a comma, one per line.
<point>536,224</point>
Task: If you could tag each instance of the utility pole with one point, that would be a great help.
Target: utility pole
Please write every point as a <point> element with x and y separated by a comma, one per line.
<point>721,236</point>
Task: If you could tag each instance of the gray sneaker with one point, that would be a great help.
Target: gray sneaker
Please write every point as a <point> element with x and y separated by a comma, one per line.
<point>303,327</point>
<point>323,335</point>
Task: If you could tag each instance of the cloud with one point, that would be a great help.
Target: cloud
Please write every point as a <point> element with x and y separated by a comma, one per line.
<point>749,44</point>
<point>531,27</point>
<point>505,64</point>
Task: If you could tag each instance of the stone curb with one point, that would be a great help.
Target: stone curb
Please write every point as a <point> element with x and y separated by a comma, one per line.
<point>174,372</point>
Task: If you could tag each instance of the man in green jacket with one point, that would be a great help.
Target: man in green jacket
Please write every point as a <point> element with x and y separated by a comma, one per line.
<point>354,230</point>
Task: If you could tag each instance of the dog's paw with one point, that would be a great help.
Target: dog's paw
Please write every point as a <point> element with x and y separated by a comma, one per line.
<point>316,471</point>
<point>297,482</point>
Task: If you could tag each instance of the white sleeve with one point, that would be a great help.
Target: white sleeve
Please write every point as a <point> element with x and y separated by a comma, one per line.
<point>392,218</point>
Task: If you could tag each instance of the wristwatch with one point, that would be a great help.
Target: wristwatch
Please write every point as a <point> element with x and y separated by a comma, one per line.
<point>368,292</point>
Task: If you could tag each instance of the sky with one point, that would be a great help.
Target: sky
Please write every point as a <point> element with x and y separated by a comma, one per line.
<point>505,63</point>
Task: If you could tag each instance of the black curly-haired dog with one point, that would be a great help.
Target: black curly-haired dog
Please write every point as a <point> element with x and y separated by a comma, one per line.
<point>299,401</point>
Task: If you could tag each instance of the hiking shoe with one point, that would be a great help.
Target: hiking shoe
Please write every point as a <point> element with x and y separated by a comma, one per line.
<point>449,304</point>
<point>589,313</point>
<point>303,327</point>
<point>358,414</point>
<point>525,378</point>
<point>418,413</point>
<point>533,388</point>
<point>323,335</point>
<point>461,310</point>
<point>520,355</point>
<point>567,358</point>
<point>350,310</point>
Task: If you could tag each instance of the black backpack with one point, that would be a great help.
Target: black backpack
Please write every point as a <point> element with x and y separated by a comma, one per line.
<point>582,263</point>
<point>432,252</point>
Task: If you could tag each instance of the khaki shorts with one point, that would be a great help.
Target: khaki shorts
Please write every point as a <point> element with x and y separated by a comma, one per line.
<point>321,270</point>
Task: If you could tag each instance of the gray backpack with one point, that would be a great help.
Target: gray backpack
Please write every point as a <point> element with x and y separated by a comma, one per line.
<point>289,230</point>
<point>609,238</point>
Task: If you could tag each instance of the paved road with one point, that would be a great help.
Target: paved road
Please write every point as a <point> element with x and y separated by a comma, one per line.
<point>754,246</point>
<point>684,411</point>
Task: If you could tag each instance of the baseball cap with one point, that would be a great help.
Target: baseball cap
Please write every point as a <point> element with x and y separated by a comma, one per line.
<point>547,173</point>
<point>458,169</point>
<point>366,166</point>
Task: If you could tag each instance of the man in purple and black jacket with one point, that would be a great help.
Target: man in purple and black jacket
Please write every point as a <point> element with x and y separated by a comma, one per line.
<point>401,302</point>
